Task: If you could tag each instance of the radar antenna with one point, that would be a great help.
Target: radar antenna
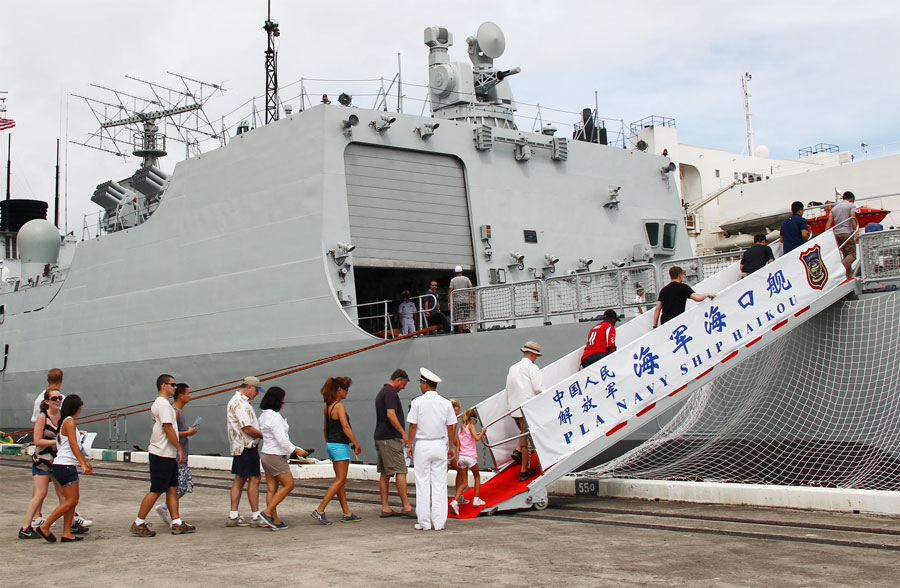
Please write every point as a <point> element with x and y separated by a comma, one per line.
<point>272,31</point>
<point>129,122</point>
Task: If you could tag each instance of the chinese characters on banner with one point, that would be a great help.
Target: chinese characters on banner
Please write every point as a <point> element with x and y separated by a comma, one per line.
<point>592,402</point>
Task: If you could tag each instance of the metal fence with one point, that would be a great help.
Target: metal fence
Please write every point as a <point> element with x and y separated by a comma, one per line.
<point>879,253</point>
<point>591,292</point>
<point>501,303</point>
<point>697,269</point>
<point>580,295</point>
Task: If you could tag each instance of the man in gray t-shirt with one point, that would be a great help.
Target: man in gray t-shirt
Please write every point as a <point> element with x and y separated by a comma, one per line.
<point>462,304</point>
<point>843,218</point>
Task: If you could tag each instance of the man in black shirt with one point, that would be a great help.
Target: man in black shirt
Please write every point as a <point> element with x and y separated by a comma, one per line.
<point>390,439</point>
<point>674,295</point>
<point>757,256</point>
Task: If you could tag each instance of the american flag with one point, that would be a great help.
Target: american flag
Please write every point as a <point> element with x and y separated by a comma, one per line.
<point>6,123</point>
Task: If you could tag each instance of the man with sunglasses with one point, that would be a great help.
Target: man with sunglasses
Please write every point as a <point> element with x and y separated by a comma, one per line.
<point>165,454</point>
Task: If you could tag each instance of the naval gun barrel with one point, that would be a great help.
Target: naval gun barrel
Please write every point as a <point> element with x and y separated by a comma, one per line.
<point>508,72</point>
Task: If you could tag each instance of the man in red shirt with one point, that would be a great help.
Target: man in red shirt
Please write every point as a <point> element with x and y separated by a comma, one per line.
<point>601,340</point>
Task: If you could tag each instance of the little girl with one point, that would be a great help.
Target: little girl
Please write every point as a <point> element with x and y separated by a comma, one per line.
<point>468,458</point>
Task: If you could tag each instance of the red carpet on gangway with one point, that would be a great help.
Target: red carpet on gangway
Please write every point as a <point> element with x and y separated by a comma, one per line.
<point>498,489</point>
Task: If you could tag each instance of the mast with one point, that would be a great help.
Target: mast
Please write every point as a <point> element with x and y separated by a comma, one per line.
<point>745,85</point>
<point>56,199</point>
<point>8,143</point>
<point>272,31</point>
<point>8,163</point>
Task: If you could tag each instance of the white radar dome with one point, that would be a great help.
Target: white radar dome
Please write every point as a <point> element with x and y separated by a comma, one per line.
<point>38,242</point>
<point>761,151</point>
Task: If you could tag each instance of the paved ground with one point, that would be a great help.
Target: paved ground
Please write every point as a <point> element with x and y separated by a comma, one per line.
<point>575,542</point>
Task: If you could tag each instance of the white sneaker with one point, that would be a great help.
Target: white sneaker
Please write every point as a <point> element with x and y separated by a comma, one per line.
<point>477,502</point>
<point>163,511</point>
<point>38,522</point>
<point>419,527</point>
<point>83,521</point>
<point>455,507</point>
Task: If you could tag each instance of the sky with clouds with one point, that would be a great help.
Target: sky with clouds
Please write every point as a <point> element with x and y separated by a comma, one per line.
<point>823,71</point>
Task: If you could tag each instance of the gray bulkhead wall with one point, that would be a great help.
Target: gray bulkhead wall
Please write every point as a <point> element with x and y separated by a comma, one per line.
<point>408,209</point>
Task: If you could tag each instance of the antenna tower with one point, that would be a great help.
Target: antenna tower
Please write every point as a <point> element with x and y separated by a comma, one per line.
<point>142,124</point>
<point>745,85</point>
<point>272,31</point>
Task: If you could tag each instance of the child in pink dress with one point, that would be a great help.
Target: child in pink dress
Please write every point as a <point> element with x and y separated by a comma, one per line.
<point>468,458</point>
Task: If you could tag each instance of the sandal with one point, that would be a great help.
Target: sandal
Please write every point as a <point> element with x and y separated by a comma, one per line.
<point>389,514</point>
<point>49,537</point>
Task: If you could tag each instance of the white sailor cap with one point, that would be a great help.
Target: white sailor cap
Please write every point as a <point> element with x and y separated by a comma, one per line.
<point>429,375</point>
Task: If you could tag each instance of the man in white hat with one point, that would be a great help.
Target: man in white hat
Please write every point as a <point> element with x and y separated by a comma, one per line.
<point>462,303</point>
<point>431,443</point>
<point>523,382</point>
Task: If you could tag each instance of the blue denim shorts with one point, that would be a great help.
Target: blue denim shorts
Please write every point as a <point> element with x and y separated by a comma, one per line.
<point>36,472</point>
<point>66,475</point>
<point>338,451</point>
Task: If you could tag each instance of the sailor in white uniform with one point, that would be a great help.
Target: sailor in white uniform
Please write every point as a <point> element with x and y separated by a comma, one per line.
<point>406,310</point>
<point>432,425</point>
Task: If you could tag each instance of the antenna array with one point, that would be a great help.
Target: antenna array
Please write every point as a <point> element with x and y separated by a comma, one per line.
<point>131,124</point>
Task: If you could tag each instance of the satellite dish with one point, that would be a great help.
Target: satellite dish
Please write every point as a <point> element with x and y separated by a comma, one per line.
<point>491,40</point>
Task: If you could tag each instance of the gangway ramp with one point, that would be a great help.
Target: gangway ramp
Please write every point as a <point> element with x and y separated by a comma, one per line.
<point>582,413</point>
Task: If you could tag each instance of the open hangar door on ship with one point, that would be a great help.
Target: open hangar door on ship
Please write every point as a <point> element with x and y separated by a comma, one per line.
<point>409,221</point>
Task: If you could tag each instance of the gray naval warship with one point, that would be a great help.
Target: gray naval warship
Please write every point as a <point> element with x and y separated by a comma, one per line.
<point>293,242</point>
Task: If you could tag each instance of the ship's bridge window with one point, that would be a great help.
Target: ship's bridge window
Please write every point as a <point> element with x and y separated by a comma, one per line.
<point>668,237</point>
<point>661,234</point>
<point>652,233</point>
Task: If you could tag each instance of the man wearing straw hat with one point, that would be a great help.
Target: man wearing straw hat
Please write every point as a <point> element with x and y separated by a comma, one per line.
<point>432,423</point>
<point>523,382</point>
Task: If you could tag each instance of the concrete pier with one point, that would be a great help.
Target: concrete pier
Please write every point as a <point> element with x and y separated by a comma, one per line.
<point>575,542</point>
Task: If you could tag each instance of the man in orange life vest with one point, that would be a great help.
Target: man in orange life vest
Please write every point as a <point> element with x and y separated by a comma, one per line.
<point>601,340</point>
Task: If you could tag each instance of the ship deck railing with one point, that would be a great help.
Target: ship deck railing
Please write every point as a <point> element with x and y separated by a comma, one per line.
<point>376,318</point>
<point>581,295</point>
<point>879,255</point>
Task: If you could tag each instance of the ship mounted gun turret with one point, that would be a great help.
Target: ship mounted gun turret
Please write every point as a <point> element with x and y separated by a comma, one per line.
<point>478,93</point>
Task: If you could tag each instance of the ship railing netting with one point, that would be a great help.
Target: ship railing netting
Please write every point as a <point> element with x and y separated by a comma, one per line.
<point>818,407</point>
<point>879,252</point>
<point>583,295</point>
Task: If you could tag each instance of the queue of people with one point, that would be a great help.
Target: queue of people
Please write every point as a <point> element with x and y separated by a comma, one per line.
<point>260,445</point>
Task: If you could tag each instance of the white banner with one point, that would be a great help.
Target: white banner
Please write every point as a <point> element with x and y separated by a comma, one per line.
<point>596,401</point>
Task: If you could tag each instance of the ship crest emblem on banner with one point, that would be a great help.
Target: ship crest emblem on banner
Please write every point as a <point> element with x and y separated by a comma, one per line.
<point>816,272</point>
